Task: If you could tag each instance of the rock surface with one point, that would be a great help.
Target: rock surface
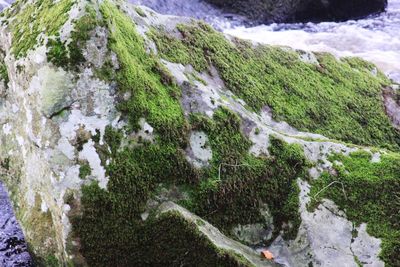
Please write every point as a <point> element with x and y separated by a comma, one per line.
<point>112,111</point>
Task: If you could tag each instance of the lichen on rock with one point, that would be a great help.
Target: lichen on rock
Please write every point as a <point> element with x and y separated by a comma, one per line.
<point>109,117</point>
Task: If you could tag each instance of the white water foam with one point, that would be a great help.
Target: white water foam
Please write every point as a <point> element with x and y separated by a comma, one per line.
<point>376,39</point>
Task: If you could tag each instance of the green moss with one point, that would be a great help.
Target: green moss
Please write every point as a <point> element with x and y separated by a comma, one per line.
<point>30,20</point>
<point>70,55</point>
<point>110,227</point>
<point>84,171</point>
<point>4,73</point>
<point>172,230</point>
<point>45,261</point>
<point>41,231</point>
<point>373,196</point>
<point>238,184</point>
<point>140,12</point>
<point>339,99</point>
<point>140,75</point>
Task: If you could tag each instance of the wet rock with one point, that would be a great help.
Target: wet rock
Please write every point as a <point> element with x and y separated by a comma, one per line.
<point>13,248</point>
<point>267,11</point>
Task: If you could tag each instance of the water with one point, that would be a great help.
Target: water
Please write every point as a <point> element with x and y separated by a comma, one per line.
<point>376,39</point>
<point>13,249</point>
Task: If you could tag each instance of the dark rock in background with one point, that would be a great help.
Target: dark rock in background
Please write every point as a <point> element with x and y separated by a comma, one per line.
<point>268,11</point>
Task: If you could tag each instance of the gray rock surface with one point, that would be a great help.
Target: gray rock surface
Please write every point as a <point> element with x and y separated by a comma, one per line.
<point>326,238</point>
<point>212,233</point>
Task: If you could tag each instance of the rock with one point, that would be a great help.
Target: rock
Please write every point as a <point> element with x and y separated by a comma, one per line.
<point>326,238</point>
<point>256,234</point>
<point>215,236</point>
<point>267,11</point>
<point>154,127</point>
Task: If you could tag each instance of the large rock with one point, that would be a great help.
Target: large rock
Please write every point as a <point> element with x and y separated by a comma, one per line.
<point>266,11</point>
<point>108,110</point>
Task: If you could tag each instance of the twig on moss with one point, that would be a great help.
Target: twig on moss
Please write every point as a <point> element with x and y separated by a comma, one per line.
<point>329,185</point>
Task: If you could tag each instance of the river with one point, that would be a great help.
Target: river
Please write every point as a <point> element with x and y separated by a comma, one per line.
<point>376,38</point>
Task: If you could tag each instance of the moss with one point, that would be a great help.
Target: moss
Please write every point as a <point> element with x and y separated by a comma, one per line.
<point>57,54</point>
<point>238,184</point>
<point>84,171</point>
<point>110,227</point>
<point>317,98</point>
<point>70,55</point>
<point>41,232</point>
<point>3,71</point>
<point>45,261</point>
<point>140,12</point>
<point>30,20</point>
<point>140,75</point>
<point>373,196</point>
<point>193,77</point>
<point>171,229</point>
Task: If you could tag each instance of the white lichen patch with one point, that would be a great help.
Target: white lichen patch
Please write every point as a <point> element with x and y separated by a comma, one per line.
<point>325,238</point>
<point>376,157</point>
<point>308,57</point>
<point>89,153</point>
<point>146,131</point>
<point>76,11</point>
<point>96,48</point>
<point>199,153</point>
<point>367,248</point>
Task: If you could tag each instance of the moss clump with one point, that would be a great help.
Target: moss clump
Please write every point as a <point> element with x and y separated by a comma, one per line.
<point>140,12</point>
<point>238,184</point>
<point>339,99</point>
<point>84,171</point>
<point>40,225</point>
<point>140,75</point>
<point>110,227</point>
<point>70,55</point>
<point>189,245</point>
<point>373,196</point>
<point>29,21</point>
<point>3,70</point>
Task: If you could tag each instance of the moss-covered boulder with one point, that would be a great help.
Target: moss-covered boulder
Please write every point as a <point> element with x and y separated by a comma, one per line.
<point>111,111</point>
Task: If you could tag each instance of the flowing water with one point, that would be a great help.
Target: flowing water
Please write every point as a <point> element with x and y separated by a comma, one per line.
<point>376,39</point>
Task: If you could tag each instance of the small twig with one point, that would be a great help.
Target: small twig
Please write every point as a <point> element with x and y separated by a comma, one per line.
<point>329,185</point>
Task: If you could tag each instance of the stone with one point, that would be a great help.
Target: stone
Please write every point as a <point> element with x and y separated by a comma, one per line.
<point>267,11</point>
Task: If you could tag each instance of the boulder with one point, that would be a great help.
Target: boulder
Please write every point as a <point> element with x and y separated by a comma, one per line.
<point>267,11</point>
